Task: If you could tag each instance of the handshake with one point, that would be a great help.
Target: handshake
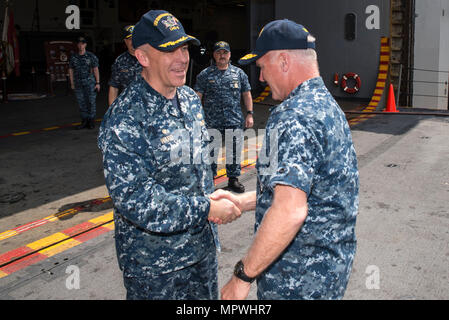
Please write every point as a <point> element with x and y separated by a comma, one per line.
<point>225,207</point>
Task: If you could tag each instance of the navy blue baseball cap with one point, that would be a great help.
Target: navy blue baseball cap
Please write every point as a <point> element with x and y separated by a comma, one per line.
<point>128,32</point>
<point>161,30</point>
<point>279,35</point>
<point>222,45</point>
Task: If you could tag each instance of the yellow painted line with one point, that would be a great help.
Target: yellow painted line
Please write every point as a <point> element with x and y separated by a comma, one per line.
<point>376,99</point>
<point>378,91</point>
<point>60,247</point>
<point>2,274</point>
<point>21,133</point>
<point>8,234</point>
<point>76,124</point>
<point>109,226</point>
<point>385,49</point>
<point>385,58</point>
<point>384,40</point>
<point>221,172</point>
<point>58,216</point>
<point>51,128</point>
<point>264,94</point>
<point>11,233</point>
<point>383,76</point>
<point>248,162</point>
<point>383,67</point>
<point>102,219</point>
<point>47,241</point>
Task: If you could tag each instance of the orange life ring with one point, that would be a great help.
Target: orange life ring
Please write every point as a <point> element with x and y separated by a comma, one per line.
<point>354,76</point>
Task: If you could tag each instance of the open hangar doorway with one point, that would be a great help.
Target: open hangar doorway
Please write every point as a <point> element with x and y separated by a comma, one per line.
<point>211,21</point>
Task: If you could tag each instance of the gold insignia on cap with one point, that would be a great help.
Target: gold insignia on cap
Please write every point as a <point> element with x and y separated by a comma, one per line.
<point>199,115</point>
<point>164,131</point>
<point>172,43</point>
<point>170,22</point>
<point>159,17</point>
<point>249,56</point>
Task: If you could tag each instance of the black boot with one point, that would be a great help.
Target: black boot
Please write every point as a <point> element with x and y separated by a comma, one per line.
<point>235,185</point>
<point>83,124</point>
<point>91,124</point>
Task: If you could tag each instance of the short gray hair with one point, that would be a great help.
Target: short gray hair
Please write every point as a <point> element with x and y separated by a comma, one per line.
<point>301,55</point>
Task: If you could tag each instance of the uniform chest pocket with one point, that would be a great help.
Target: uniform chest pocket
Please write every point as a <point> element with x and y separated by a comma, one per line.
<point>211,86</point>
<point>233,85</point>
<point>87,62</point>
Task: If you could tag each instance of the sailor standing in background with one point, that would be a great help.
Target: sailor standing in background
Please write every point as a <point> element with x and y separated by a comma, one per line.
<point>220,87</point>
<point>125,67</point>
<point>85,80</point>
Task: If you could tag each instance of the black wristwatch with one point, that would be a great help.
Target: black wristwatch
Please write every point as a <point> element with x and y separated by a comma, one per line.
<point>239,272</point>
<point>249,112</point>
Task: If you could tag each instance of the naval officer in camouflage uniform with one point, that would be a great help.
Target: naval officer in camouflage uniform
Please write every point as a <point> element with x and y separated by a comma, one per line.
<point>306,200</point>
<point>125,67</point>
<point>152,138</point>
<point>221,86</point>
<point>85,80</point>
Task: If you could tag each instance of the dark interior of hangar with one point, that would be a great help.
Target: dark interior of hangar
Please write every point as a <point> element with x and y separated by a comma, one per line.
<point>101,22</point>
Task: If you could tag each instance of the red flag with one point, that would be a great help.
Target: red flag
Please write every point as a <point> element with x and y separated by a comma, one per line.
<point>10,36</point>
<point>12,39</point>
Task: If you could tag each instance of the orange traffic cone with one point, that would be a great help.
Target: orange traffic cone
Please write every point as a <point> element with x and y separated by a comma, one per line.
<point>391,103</point>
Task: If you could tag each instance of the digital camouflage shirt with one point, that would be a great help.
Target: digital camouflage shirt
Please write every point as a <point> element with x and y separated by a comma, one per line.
<point>158,185</point>
<point>313,152</point>
<point>222,92</point>
<point>124,70</point>
<point>82,67</point>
